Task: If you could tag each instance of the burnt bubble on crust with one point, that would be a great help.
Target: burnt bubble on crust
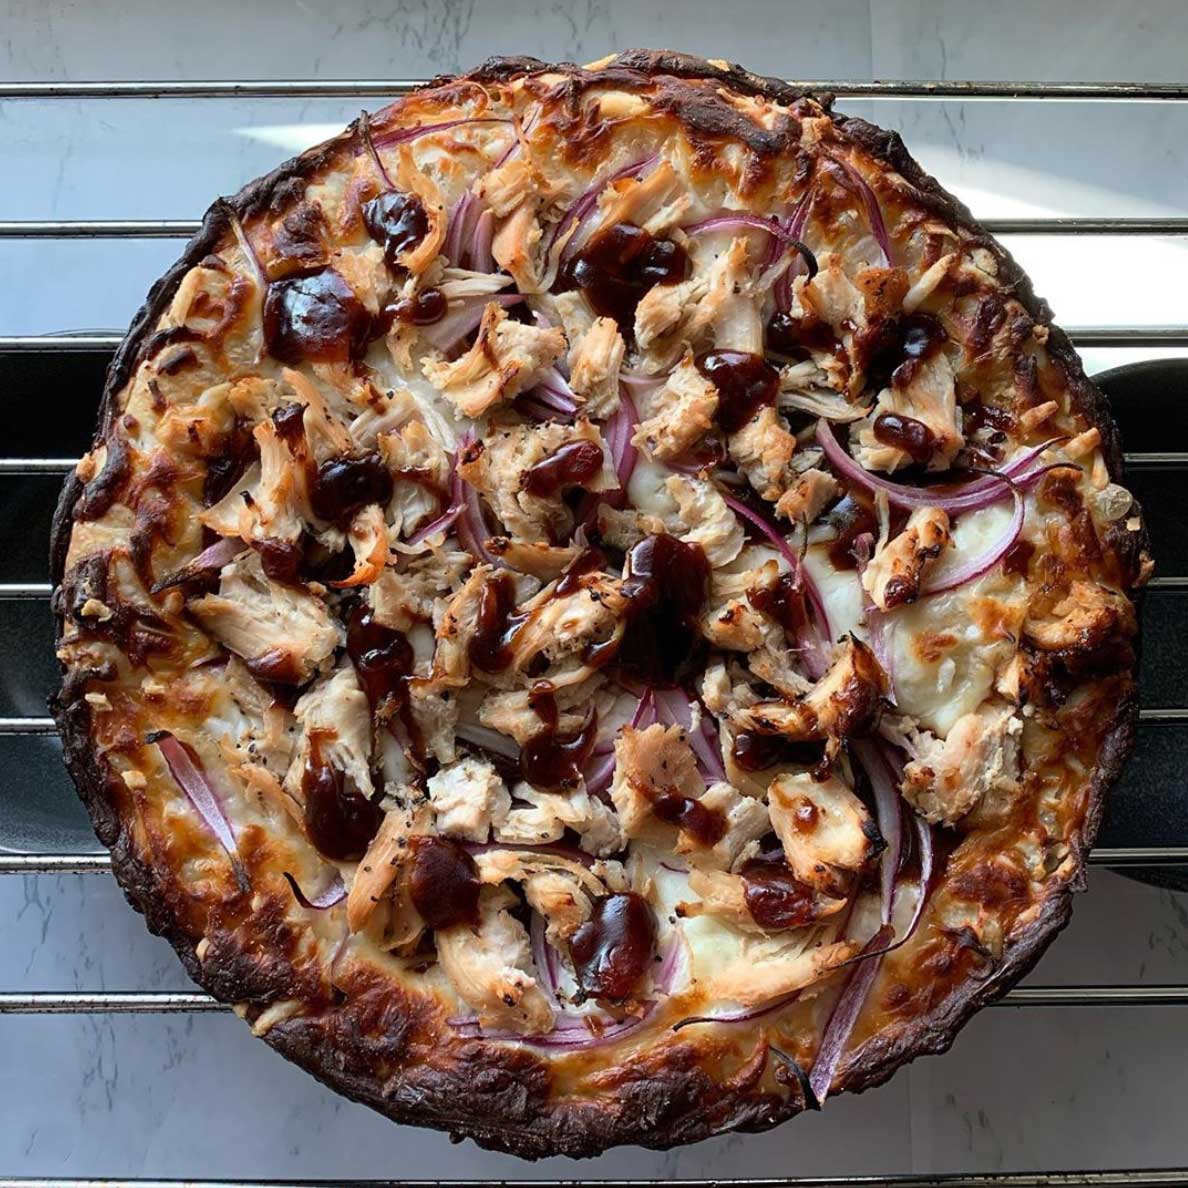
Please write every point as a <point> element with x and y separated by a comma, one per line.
<point>501,1095</point>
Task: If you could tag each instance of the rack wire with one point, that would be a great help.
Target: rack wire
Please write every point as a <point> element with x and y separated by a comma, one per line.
<point>99,344</point>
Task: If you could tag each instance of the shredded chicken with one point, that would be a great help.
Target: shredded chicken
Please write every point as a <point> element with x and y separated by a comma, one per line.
<point>507,358</point>
<point>543,817</point>
<point>808,496</point>
<point>594,363</point>
<point>707,519</point>
<point>949,777</point>
<point>744,821</point>
<point>894,573</point>
<point>491,968</point>
<point>379,878</point>
<point>282,633</point>
<point>650,764</point>
<point>763,449</point>
<point>335,719</point>
<point>679,413</point>
<point>469,799</point>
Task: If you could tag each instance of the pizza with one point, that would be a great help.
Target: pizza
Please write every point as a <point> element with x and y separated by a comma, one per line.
<point>600,608</point>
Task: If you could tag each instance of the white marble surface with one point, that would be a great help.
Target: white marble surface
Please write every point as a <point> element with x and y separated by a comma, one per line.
<point>196,1096</point>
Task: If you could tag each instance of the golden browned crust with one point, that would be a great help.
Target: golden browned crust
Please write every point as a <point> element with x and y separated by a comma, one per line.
<point>386,1049</point>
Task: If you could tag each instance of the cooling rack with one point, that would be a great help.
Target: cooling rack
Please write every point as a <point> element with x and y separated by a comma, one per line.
<point>1145,833</point>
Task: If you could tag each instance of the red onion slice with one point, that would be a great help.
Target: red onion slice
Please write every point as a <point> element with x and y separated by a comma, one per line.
<point>441,523</point>
<point>981,492</point>
<point>620,428</point>
<point>488,739</point>
<point>874,214</point>
<point>981,562</point>
<point>481,258</point>
<point>782,290</point>
<point>544,957</point>
<point>845,1014</point>
<point>463,317</point>
<point>404,135</point>
<point>553,391</point>
<point>583,206</point>
<point>742,1014</point>
<point>187,773</point>
<point>461,229</point>
<point>471,524</point>
<point>675,709</point>
<point>889,814</point>
<point>335,892</point>
<point>209,561</point>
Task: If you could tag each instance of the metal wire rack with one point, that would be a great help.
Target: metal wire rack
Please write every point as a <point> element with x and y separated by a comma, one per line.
<point>46,348</point>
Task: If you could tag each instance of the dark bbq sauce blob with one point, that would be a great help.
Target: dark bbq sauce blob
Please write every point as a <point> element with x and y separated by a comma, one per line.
<point>775,897</point>
<point>397,221</point>
<point>443,882</point>
<point>421,309</point>
<point>757,752</point>
<point>276,665</point>
<point>619,265</point>
<point>340,823</point>
<point>614,948</point>
<point>314,315</point>
<point>745,383</point>
<point>907,343</point>
<point>382,657</point>
<point>573,465</point>
<point>289,422</point>
<point>1017,559</point>
<point>587,561</point>
<point>341,486</point>
<point>707,826</point>
<point>497,620</point>
<point>551,760</point>
<point>280,559</point>
<point>797,338</point>
<point>782,600</point>
<point>666,582</point>
<point>913,437</point>
<point>850,518</point>
<point>980,415</point>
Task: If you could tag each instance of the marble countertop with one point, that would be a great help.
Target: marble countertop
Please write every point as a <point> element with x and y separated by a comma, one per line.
<point>195,1096</point>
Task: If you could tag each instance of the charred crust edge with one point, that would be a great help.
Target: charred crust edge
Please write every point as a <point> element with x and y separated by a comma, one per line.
<point>485,1102</point>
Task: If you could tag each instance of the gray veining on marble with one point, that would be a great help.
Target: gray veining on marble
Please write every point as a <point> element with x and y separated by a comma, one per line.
<point>196,1096</point>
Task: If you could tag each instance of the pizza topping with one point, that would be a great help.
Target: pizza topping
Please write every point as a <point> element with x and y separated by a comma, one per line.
<point>340,821</point>
<point>776,898</point>
<point>316,316</point>
<point>744,382</point>
<point>895,571</point>
<point>443,882</point>
<point>397,222</point>
<point>614,948</point>
<point>342,486</point>
<point>468,799</point>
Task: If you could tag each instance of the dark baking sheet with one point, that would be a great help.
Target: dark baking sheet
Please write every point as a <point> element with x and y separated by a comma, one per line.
<point>38,808</point>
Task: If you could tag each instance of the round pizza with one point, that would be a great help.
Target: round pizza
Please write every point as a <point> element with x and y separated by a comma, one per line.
<point>600,607</point>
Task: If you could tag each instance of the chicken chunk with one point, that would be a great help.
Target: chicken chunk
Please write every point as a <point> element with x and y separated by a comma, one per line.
<point>283,633</point>
<point>490,966</point>
<point>678,414</point>
<point>707,518</point>
<point>543,817</point>
<point>763,449</point>
<point>500,467</point>
<point>808,496</point>
<point>595,360</point>
<point>950,776</point>
<point>894,574</point>
<point>507,358</point>
<point>379,877</point>
<point>844,702</point>
<point>469,799</point>
<point>560,626</point>
<point>335,720</point>
<point>1088,616</point>
<point>650,764</point>
<point>723,896</point>
<point>744,821</point>
<point>825,829</point>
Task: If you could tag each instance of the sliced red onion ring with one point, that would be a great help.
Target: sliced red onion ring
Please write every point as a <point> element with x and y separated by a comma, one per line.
<point>463,317</point>
<point>815,645</point>
<point>537,410</point>
<point>490,740</point>
<point>210,560</point>
<point>889,814</point>
<point>676,709</point>
<point>553,391</point>
<point>571,1031</point>
<point>335,892</point>
<point>620,428</point>
<point>981,562</point>
<point>782,290</point>
<point>472,529</point>
<point>441,523</point>
<point>544,957</point>
<point>743,1014</point>
<point>481,258</point>
<point>404,135</point>
<point>461,229</point>
<point>584,205</point>
<point>599,775</point>
<point>874,214</point>
<point>187,773</point>
<point>845,1014</point>
<point>981,492</point>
